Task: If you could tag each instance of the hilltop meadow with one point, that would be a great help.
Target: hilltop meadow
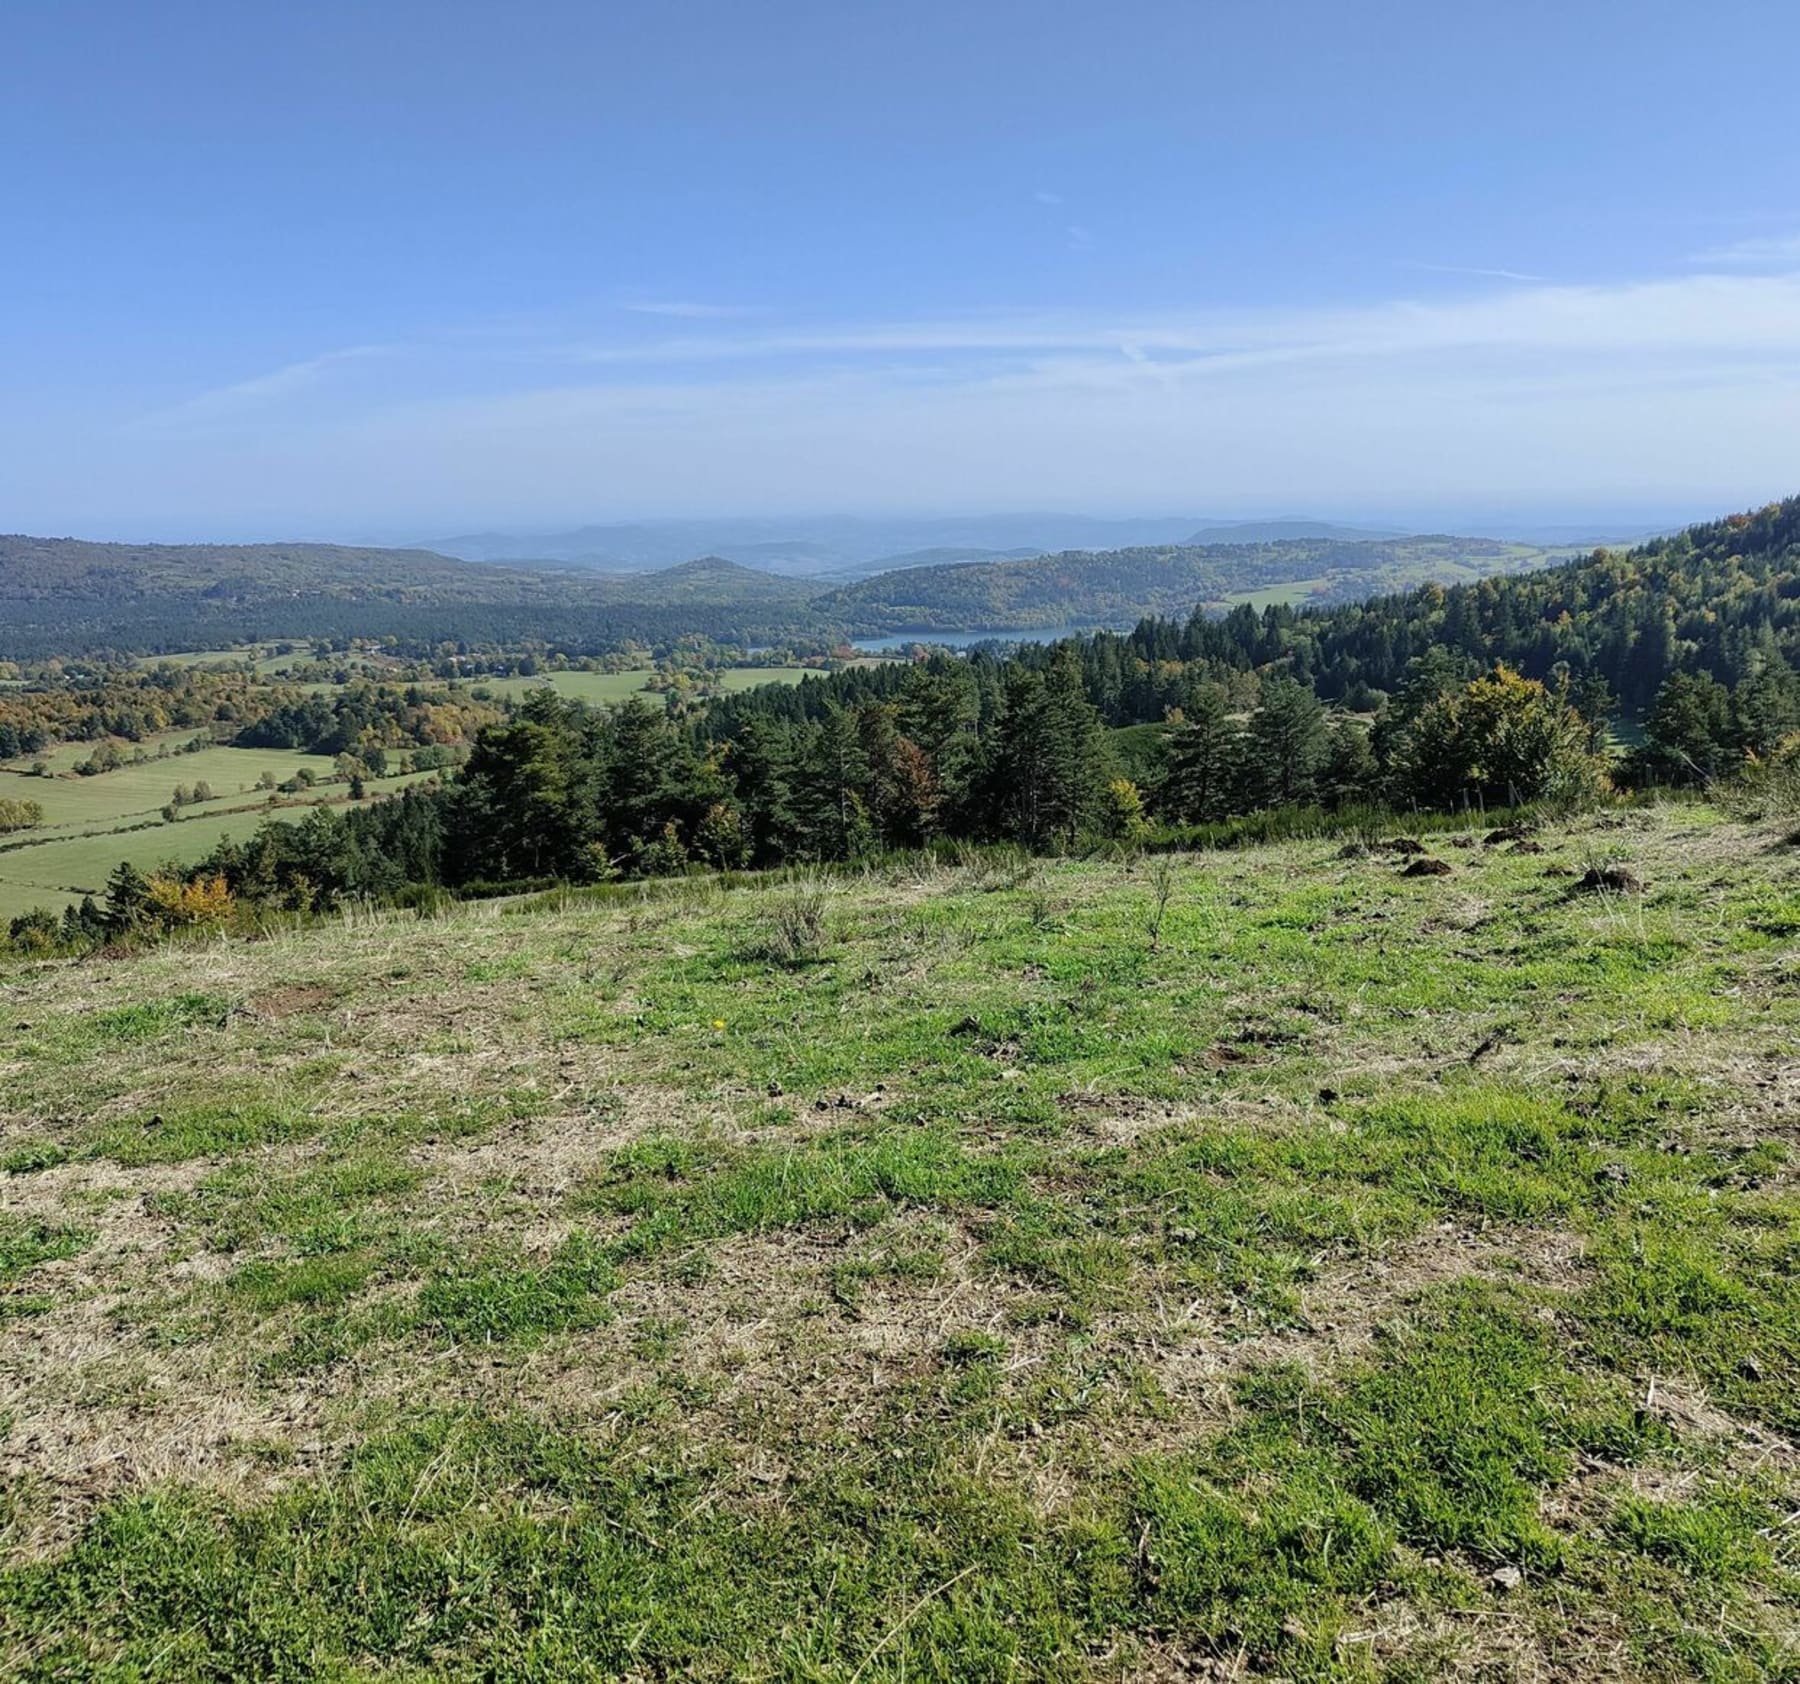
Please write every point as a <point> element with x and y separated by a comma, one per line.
<point>1259,1146</point>
<point>1280,1260</point>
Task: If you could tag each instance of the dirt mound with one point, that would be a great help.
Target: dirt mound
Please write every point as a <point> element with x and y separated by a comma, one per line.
<point>1609,879</point>
<point>1427,868</point>
<point>1403,845</point>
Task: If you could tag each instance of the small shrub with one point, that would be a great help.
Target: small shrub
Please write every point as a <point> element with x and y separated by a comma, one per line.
<point>794,930</point>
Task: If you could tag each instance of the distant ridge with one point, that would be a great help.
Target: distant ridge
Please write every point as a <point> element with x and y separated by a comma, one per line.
<point>1290,531</point>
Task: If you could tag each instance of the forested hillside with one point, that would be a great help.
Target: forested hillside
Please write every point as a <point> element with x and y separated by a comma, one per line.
<point>1499,693</point>
<point>66,597</point>
<point>1721,599</point>
<point>1084,587</point>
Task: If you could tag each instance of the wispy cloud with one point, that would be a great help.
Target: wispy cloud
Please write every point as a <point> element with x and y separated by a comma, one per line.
<point>1686,315</point>
<point>1045,197</point>
<point>1080,238</point>
<point>1765,251</point>
<point>690,310</point>
<point>1468,269</point>
<point>1678,388</point>
<point>263,391</point>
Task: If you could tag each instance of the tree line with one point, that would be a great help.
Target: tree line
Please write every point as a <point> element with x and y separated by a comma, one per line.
<point>1097,738</point>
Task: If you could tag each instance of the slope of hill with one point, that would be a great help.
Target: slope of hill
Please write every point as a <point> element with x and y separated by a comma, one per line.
<point>1117,587</point>
<point>1288,531</point>
<point>1274,1266</point>
<point>74,569</point>
<point>66,596</point>
<point>1721,598</point>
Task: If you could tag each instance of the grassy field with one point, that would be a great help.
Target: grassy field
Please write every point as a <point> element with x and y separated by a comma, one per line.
<point>605,689</point>
<point>53,874</point>
<point>1253,1264</point>
<point>1296,591</point>
<point>93,823</point>
<point>135,790</point>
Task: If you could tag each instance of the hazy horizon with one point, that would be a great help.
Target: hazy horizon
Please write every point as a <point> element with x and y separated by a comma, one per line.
<point>1531,523</point>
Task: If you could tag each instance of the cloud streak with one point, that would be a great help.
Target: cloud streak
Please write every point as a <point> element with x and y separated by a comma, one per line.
<point>1779,251</point>
<point>692,310</point>
<point>262,392</point>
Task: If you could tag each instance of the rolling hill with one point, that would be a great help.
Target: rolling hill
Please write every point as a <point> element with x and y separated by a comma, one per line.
<point>61,595</point>
<point>1116,587</point>
<point>65,596</point>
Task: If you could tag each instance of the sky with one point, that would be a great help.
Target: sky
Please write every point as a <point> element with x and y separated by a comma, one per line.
<point>392,269</point>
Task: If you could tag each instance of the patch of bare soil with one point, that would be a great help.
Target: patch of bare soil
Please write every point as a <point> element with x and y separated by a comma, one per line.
<point>290,1001</point>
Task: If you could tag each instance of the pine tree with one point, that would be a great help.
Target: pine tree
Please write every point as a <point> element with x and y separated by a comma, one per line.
<point>127,899</point>
<point>1206,764</point>
<point>1050,771</point>
<point>834,790</point>
<point>1288,742</point>
<point>1687,731</point>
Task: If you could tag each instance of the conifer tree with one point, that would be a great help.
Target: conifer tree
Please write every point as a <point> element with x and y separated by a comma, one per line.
<point>1288,742</point>
<point>1206,765</point>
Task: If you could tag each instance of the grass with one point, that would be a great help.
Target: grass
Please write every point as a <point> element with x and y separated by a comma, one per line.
<point>607,689</point>
<point>1238,1263</point>
<point>93,823</point>
<point>139,787</point>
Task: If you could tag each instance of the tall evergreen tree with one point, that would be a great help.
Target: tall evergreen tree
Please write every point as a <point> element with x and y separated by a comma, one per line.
<point>1050,770</point>
<point>1288,742</point>
<point>1206,765</point>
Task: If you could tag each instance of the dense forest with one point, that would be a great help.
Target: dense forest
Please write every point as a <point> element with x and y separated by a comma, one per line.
<point>1117,586</point>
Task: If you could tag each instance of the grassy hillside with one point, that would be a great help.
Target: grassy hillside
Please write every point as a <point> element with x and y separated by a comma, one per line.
<point>1267,1263</point>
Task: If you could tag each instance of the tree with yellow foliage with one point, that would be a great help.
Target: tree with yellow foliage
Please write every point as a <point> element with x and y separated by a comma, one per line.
<point>176,905</point>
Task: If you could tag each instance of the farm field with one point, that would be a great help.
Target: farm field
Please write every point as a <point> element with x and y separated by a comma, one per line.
<point>1260,1263</point>
<point>142,788</point>
<point>1296,591</point>
<point>606,689</point>
<point>56,864</point>
<point>54,874</point>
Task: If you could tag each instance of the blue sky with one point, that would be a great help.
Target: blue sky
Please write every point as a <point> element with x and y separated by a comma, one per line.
<point>395,269</point>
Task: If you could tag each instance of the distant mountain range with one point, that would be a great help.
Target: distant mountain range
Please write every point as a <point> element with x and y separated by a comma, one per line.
<point>837,549</point>
<point>831,547</point>
<point>1288,531</point>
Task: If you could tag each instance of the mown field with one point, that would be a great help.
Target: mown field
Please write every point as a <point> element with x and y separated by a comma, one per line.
<point>1258,1264</point>
<point>92,823</point>
<point>145,786</point>
<point>607,689</point>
